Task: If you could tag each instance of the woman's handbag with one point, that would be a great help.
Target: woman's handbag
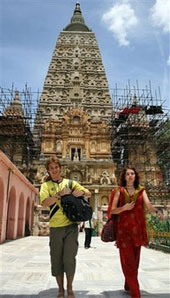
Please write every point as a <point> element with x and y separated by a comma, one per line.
<point>109,229</point>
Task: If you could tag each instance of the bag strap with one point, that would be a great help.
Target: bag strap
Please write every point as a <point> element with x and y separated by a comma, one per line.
<point>111,201</point>
<point>70,182</point>
<point>54,210</point>
<point>120,202</point>
<point>56,207</point>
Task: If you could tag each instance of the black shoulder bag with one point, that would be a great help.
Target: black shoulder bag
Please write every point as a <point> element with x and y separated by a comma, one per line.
<point>76,208</point>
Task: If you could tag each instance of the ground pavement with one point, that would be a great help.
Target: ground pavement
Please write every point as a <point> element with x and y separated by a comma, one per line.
<point>25,271</point>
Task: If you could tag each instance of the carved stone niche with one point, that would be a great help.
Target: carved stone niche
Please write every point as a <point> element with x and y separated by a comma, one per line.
<point>58,147</point>
<point>104,201</point>
<point>77,176</point>
<point>76,118</point>
<point>105,178</point>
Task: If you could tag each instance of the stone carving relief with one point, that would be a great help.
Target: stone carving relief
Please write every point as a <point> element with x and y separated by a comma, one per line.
<point>104,200</point>
<point>104,179</point>
<point>58,147</point>
<point>76,175</point>
<point>41,175</point>
<point>93,147</point>
<point>43,228</point>
<point>88,175</point>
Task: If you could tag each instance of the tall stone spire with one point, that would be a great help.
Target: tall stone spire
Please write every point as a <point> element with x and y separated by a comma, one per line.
<point>76,77</point>
<point>74,110</point>
<point>77,21</point>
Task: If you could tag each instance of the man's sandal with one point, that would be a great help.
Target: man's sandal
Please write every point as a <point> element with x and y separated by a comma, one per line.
<point>60,295</point>
<point>70,295</point>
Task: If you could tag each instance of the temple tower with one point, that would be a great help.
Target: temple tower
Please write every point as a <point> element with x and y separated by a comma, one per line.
<point>76,77</point>
<point>74,113</point>
<point>15,134</point>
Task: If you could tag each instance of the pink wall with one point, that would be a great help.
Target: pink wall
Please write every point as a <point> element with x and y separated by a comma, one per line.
<point>17,197</point>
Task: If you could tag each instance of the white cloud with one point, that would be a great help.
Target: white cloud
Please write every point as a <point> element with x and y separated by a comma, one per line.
<point>168,61</point>
<point>160,14</point>
<point>120,19</point>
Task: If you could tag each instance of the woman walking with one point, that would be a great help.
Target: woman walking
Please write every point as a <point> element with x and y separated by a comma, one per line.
<point>129,202</point>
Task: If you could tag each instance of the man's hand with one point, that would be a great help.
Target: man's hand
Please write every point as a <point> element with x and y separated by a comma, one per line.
<point>65,191</point>
<point>78,193</point>
<point>51,200</point>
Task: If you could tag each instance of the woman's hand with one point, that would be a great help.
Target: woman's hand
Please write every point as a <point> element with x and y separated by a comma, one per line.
<point>147,203</point>
<point>129,206</point>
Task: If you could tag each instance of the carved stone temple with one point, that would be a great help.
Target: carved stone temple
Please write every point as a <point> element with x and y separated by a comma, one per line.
<point>74,113</point>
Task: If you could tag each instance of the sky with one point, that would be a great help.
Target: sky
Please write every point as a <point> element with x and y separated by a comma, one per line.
<point>133,37</point>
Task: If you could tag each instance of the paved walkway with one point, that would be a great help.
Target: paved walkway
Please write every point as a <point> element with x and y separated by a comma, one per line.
<point>25,271</point>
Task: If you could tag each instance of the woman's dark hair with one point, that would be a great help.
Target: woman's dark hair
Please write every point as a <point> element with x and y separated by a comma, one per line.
<point>122,181</point>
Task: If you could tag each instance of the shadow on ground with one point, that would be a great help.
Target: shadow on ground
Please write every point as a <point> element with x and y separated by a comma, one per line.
<point>51,293</point>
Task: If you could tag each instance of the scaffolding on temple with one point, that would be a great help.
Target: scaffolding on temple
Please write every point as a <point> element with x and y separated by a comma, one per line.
<point>140,132</point>
<point>17,114</point>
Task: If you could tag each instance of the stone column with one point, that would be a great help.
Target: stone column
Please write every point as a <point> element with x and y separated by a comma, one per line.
<point>87,146</point>
<point>96,197</point>
<point>64,151</point>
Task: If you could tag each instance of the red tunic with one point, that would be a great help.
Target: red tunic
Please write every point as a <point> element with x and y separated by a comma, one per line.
<point>131,224</point>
